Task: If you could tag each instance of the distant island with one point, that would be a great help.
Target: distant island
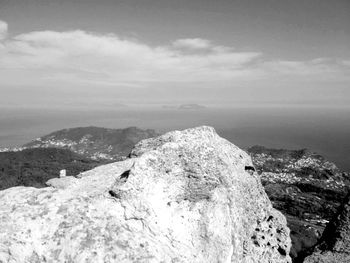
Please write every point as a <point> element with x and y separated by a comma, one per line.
<point>191,106</point>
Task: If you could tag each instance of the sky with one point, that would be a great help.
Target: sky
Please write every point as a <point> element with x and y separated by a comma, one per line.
<point>71,52</point>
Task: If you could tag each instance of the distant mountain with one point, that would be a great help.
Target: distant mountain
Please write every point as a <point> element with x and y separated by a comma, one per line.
<point>33,167</point>
<point>94,142</point>
<point>170,106</point>
<point>191,107</point>
<point>305,187</point>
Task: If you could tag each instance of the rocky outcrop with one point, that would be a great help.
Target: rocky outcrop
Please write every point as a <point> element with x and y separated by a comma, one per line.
<point>182,197</point>
<point>334,246</point>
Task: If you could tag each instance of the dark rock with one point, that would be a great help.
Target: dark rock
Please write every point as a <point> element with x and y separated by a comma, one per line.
<point>334,245</point>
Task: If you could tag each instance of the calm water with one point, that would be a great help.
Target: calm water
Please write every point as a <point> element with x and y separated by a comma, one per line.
<point>324,130</point>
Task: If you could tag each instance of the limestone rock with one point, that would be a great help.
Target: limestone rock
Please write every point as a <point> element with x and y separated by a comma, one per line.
<point>63,173</point>
<point>183,197</point>
<point>335,242</point>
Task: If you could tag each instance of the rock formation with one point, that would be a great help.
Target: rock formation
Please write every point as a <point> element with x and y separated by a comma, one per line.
<point>181,197</point>
<point>334,246</point>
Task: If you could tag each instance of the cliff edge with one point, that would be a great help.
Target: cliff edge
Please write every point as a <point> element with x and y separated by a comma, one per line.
<point>186,196</point>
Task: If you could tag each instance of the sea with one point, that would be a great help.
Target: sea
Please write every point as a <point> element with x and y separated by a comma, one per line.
<point>322,129</point>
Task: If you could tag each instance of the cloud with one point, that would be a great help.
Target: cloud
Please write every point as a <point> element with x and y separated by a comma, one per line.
<point>79,55</point>
<point>318,69</point>
<point>3,29</point>
<point>346,63</point>
<point>85,58</point>
<point>192,43</point>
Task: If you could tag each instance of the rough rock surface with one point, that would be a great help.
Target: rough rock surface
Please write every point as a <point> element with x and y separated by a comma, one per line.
<point>186,196</point>
<point>335,242</point>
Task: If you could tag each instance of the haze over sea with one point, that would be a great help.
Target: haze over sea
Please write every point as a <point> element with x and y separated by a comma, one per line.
<point>324,130</point>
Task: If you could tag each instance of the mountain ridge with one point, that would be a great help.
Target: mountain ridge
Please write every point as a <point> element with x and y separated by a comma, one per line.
<point>97,143</point>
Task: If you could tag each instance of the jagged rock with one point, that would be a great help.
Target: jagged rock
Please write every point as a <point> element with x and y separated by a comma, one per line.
<point>183,197</point>
<point>334,246</point>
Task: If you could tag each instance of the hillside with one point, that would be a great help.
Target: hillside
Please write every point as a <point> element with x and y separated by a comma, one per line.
<point>33,167</point>
<point>334,245</point>
<point>94,142</point>
<point>305,187</point>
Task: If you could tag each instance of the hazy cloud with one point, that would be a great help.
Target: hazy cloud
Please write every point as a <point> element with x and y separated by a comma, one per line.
<point>346,63</point>
<point>3,29</point>
<point>192,43</point>
<point>50,57</point>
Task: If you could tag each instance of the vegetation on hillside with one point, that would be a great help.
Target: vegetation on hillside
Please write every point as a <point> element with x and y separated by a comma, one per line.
<point>33,167</point>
